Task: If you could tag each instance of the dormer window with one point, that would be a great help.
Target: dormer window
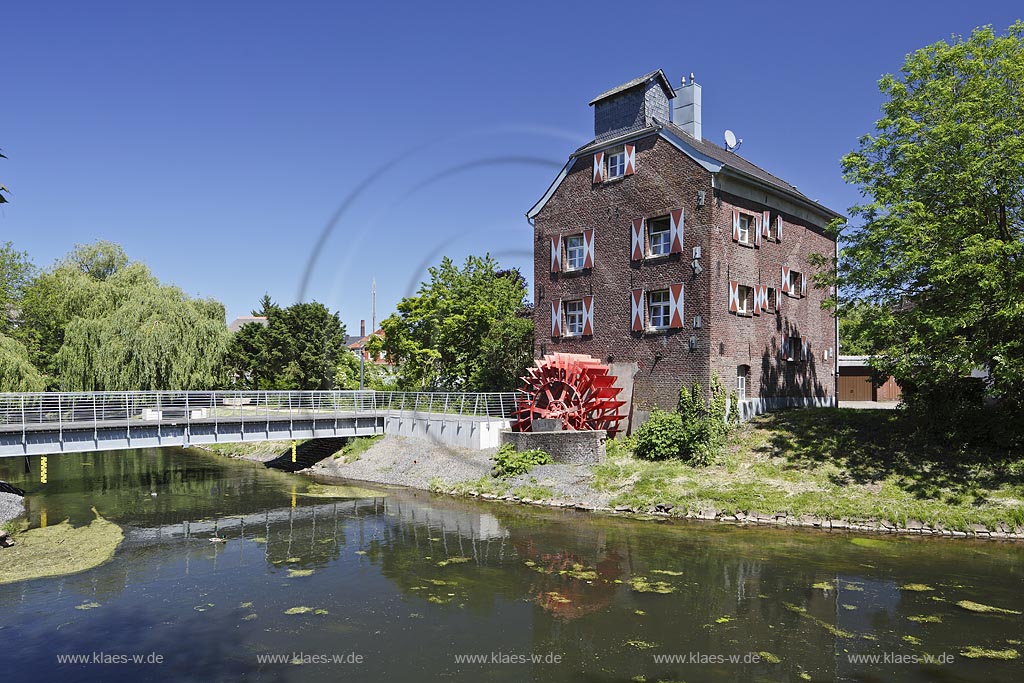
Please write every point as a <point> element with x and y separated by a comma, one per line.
<point>615,163</point>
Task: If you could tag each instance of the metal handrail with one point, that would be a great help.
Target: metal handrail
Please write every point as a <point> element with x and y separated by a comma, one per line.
<point>103,409</point>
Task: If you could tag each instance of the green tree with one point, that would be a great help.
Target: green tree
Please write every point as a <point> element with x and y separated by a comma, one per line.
<point>96,322</point>
<point>856,328</point>
<point>16,371</point>
<point>464,330</point>
<point>940,251</point>
<point>300,347</point>
<point>16,272</point>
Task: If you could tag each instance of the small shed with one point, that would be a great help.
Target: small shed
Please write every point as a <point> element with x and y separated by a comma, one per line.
<point>858,382</point>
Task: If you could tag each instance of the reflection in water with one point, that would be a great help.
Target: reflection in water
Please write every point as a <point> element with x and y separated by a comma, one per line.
<point>411,581</point>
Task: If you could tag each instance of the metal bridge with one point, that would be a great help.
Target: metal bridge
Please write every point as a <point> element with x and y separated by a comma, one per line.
<point>50,423</point>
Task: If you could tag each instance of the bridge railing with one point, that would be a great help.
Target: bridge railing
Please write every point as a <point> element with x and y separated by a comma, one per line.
<point>113,409</point>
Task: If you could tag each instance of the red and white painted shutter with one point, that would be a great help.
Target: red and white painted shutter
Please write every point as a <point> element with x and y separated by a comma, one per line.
<point>556,317</point>
<point>734,296</point>
<point>675,306</point>
<point>785,280</point>
<point>778,300</point>
<point>803,284</point>
<point>637,310</point>
<point>778,228</point>
<point>598,167</point>
<point>588,315</point>
<point>766,224</point>
<point>630,160</point>
<point>757,300</point>
<point>785,348</point>
<point>803,348</point>
<point>637,241</point>
<point>735,225</point>
<point>556,253</point>
<point>675,231</point>
<point>588,248</point>
<point>757,231</point>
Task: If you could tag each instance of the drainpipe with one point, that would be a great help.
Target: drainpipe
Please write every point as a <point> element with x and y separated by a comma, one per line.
<point>835,361</point>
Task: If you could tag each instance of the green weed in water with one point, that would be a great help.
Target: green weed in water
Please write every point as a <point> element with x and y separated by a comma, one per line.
<point>984,609</point>
<point>976,652</point>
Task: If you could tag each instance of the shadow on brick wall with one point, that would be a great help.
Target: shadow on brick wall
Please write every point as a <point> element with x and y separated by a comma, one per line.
<point>783,378</point>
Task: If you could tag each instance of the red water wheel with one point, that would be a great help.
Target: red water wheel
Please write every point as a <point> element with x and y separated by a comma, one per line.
<point>571,387</point>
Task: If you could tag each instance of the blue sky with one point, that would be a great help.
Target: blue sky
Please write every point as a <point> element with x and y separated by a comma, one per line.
<point>216,140</point>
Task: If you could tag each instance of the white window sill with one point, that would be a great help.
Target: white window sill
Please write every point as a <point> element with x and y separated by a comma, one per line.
<point>657,257</point>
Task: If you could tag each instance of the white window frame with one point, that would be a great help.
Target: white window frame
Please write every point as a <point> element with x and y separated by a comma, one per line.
<point>575,252</point>
<point>795,281</point>
<point>615,160</point>
<point>658,309</point>
<point>741,382</point>
<point>744,231</point>
<point>572,318</point>
<point>664,236</point>
<point>743,296</point>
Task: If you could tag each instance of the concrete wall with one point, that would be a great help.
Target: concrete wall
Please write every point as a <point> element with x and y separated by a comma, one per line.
<point>449,430</point>
<point>566,447</point>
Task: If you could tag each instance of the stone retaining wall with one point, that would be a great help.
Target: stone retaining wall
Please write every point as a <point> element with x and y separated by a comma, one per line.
<point>574,448</point>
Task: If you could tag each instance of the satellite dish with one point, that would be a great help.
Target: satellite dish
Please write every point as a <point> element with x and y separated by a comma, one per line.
<point>730,139</point>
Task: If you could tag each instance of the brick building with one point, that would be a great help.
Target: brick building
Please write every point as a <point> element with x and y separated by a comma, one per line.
<point>671,258</point>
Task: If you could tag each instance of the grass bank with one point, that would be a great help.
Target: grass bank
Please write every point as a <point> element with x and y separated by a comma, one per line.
<point>832,463</point>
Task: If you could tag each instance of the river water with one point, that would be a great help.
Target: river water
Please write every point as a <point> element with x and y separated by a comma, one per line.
<point>402,585</point>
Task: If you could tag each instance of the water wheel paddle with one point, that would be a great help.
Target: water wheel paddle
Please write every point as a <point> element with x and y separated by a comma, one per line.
<point>572,387</point>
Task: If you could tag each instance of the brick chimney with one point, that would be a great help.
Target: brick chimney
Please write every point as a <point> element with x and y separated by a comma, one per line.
<point>686,110</point>
<point>362,328</point>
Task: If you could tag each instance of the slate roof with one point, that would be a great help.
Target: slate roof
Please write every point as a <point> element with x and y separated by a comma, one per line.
<point>638,81</point>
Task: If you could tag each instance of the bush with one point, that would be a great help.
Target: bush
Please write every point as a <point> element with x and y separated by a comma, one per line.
<point>508,462</point>
<point>661,437</point>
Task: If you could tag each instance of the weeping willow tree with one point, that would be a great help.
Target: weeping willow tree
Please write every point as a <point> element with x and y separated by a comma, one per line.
<point>96,322</point>
<point>16,371</point>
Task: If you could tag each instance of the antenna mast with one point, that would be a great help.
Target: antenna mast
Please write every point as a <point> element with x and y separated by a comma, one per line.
<point>373,305</point>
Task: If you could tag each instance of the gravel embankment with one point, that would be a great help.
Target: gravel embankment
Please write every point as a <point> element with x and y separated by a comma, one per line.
<point>416,463</point>
<point>11,506</point>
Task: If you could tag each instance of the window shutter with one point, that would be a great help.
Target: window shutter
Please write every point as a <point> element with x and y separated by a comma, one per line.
<point>734,296</point>
<point>778,228</point>
<point>588,248</point>
<point>785,348</point>
<point>757,231</point>
<point>766,224</point>
<point>598,167</point>
<point>757,300</point>
<point>637,310</point>
<point>785,280</point>
<point>803,284</point>
<point>778,300</point>
<point>675,306</point>
<point>675,231</point>
<point>588,315</point>
<point>630,160</point>
<point>638,240</point>
<point>556,253</point>
<point>556,317</point>
<point>803,348</point>
<point>735,225</point>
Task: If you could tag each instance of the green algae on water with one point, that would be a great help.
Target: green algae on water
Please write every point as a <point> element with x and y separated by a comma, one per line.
<point>298,610</point>
<point>770,658</point>
<point>454,560</point>
<point>88,605</point>
<point>916,587</point>
<point>926,618</point>
<point>666,572</point>
<point>984,609</point>
<point>295,573</point>
<point>59,549</point>
<point>641,584</point>
<point>975,652</point>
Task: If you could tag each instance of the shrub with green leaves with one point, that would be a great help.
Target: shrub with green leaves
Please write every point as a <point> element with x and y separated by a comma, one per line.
<point>508,462</point>
<point>661,437</point>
